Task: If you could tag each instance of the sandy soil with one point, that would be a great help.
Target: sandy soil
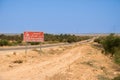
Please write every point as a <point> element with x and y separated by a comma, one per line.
<point>76,62</point>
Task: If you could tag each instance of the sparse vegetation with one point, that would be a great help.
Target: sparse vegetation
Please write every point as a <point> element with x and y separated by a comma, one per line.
<point>111,45</point>
<point>89,63</point>
<point>117,78</point>
<point>12,40</point>
<point>35,50</point>
<point>3,42</point>
<point>58,76</point>
<point>64,38</point>
<point>102,77</point>
<point>18,61</point>
<point>75,62</point>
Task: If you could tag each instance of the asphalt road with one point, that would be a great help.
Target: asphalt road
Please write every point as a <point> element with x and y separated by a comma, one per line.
<point>30,47</point>
<point>42,46</point>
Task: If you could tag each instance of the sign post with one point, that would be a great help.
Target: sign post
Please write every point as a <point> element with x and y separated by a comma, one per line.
<point>40,48</point>
<point>33,37</point>
<point>26,48</point>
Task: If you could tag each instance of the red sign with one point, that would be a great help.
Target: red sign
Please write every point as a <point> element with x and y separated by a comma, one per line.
<point>33,37</point>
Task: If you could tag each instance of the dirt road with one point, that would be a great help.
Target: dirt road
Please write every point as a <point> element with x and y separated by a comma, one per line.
<point>44,70</point>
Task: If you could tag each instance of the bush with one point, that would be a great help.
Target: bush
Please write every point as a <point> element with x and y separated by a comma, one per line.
<point>3,42</point>
<point>117,56</point>
<point>98,40</point>
<point>111,44</point>
<point>117,78</point>
<point>34,43</point>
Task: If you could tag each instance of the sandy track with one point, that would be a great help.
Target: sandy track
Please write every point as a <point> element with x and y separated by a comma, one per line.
<point>76,62</point>
<point>44,69</point>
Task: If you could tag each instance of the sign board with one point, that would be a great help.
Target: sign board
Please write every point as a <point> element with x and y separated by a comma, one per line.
<point>33,37</point>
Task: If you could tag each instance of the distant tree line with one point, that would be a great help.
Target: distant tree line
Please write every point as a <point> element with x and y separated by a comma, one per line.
<point>11,40</point>
<point>64,38</point>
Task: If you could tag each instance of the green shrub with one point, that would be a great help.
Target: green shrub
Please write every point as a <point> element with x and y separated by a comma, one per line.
<point>34,43</point>
<point>111,45</point>
<point>3,42</point>
<point>117,78</point>
<point>117,56</point>
<point>102,77</point>
<point>98,40</point>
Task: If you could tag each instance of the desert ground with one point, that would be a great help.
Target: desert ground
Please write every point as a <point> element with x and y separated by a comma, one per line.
<point>79,61</point>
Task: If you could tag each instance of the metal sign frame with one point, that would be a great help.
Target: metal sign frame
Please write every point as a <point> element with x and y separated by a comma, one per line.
<point>29,36</point>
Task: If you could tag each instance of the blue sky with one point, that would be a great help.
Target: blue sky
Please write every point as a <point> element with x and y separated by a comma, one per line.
<point>60,16</point>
